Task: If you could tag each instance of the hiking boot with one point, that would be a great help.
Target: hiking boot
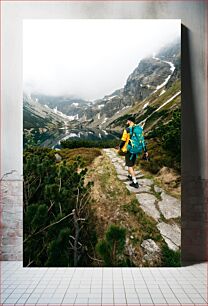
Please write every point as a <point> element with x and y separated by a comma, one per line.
<point>135,185</point>
<point>129,177</point>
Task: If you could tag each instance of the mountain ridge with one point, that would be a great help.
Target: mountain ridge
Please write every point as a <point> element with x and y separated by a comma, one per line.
<point>149,81</point>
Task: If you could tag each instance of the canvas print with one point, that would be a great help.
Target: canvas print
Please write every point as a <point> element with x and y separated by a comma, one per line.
<point>101,137</point>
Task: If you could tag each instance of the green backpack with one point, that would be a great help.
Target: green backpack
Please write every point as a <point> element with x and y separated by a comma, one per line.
<point>136,143</point>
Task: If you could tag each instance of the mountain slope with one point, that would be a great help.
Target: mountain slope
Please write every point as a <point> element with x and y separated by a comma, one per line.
<point>70,106</point>
<point>158,106</point>
<point>150,80</point>
<point>152,91</point>
<point>37,116</point>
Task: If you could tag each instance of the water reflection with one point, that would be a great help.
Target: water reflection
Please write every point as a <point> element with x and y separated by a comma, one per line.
<point>54,138</point>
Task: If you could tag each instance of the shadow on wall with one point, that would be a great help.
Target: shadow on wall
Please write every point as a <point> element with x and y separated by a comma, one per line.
<point>193,210</point>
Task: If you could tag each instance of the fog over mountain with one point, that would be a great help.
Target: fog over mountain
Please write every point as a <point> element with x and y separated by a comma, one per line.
<point>151,90</point>
<point>88,58</point>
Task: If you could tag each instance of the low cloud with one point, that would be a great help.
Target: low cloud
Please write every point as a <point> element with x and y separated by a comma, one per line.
<point>88,58</point>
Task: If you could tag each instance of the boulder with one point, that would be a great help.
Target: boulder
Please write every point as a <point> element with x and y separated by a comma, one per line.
<point>147,202</point>
<point>158,189</point>
<point>170,207</point>
<point>146,182</point>
<point>151,249</point>
<point>120,171</point>
<point>58,157</point>
<point>144,189</point>
<point>168,176</point>
<point>171,234</point>
<point>122,178</point>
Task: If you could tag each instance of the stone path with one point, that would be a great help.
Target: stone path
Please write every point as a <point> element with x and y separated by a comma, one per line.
<point>154,201</point>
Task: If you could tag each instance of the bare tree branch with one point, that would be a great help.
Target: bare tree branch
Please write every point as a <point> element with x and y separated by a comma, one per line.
<point>43,229</point>
<point>52,203</point>
<point>60,185</point>
<point>60,208</point>
<point>77,201</point>
<point>76,225</point>
<point>94,258</point>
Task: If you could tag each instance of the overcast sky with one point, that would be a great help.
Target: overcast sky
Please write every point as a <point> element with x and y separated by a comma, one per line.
<point>88,58</point>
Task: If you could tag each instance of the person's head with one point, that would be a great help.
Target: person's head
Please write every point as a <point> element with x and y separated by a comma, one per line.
<point>130,121</point>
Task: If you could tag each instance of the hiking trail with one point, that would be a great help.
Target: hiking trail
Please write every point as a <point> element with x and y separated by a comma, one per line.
<point>154,201</point>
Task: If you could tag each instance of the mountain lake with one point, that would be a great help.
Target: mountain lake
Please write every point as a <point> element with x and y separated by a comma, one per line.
<point>52,138</point>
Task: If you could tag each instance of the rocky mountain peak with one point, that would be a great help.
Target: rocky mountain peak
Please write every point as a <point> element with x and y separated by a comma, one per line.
<point>151,75</point>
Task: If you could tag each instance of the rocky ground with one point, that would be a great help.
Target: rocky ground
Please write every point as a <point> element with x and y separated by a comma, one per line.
<point>155,202</point>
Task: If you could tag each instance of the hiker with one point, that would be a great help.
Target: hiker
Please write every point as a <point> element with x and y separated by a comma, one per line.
<point>132,144</point>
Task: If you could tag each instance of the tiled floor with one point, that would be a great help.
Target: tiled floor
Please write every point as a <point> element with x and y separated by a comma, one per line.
<point>103,286</point>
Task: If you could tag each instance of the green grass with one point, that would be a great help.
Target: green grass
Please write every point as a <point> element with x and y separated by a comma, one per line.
<point>132,208</point>
<point>170,258</point>
<point>87,155</point>
<point>147,225</point>
<point>156,194</point>
<point>158,158</point>
<point>172,103</point>
<point>159,100</point>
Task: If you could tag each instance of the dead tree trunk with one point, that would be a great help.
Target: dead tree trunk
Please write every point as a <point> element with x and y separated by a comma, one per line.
<point>76,238</point>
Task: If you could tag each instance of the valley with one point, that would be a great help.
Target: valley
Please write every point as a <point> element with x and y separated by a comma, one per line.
<point>151,93</point>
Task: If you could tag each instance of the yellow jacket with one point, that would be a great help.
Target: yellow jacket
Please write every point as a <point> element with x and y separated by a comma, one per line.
<point>125,137</point>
